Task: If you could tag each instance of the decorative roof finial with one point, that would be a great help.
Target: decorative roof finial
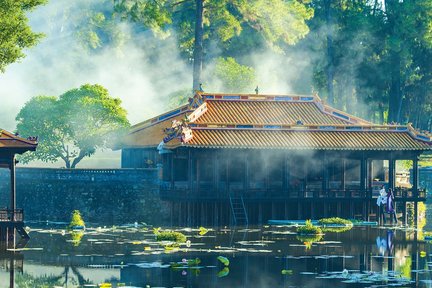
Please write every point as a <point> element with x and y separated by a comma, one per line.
<point>201,88</point>
<point>256,90</point>
<point>299,122</point>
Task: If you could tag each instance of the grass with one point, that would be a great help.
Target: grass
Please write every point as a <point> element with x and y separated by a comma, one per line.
<point>334,221</point>
<point>309,229</point>
<point>171,236</point>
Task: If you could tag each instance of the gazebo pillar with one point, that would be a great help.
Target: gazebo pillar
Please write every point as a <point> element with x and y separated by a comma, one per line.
<point>12,188</point>
<point>415,189</point>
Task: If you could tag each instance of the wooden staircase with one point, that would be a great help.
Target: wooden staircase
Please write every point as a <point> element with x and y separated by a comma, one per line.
<point>238,210</point>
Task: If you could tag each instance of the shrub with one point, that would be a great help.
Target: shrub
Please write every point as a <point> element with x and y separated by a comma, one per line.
<point>171,236</point>
<point>309,229</point>
<point>334,221</point>
<point>76,220</point>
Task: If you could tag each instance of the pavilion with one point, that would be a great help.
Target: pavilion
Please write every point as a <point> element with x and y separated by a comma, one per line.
<point>248,158</point>
<point>12,218</point>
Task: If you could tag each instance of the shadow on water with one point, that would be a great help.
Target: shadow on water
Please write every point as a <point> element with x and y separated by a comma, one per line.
<point>266,256</point>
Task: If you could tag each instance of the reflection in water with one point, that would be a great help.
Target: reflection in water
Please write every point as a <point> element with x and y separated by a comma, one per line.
<point>262,257</point>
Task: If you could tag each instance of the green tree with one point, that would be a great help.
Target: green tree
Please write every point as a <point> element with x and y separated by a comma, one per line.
<point>72,126</point>
<point>199,22</point>
<point>15,33</point>
<point>234,76</point>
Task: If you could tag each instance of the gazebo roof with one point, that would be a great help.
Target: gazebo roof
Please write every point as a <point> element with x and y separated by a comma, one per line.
<point>270,122</point>
<point>10,142</point>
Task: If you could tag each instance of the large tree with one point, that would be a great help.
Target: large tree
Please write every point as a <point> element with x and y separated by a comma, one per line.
<point>197,22</point>
<point>72,126</point>
<point>15,33</point>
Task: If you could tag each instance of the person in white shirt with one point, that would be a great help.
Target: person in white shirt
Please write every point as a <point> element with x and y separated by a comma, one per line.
<point>381,201</point>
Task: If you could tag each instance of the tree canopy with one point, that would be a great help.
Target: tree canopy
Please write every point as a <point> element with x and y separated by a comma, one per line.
<point>197,23</point>
<point>15,33</point>
<point>73,125</point>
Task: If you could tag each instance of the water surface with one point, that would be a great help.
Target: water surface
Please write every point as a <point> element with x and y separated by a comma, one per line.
<point>266,256</point>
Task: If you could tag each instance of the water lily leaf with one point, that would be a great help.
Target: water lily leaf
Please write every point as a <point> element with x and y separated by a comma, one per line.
<point>287,272</point>
<point>202,231</point>
<point>224,272</point>
<point>224,260</point>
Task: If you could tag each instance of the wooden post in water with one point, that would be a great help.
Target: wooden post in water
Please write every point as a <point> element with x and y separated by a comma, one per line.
<point>415,189</point>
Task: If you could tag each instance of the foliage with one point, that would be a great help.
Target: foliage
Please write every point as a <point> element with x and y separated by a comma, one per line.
<point>225,261</point>
<point>421,211</point>
<point>276,20</point>
<point>309,239</point>
<point>334,221</point>
<point>72,126</point>
<point>15,33</point>
<point>370,54</point>
<point>337,229</point>
<point>276,23</point>
<point>76,220</point>
<point>234,77</point>
<point>178,98</point>
<point>26,280</point>
<point>76,237</point>
<point>309,229</point>
<point>171,236</point>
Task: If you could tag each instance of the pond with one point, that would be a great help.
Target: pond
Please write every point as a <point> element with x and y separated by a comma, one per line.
<point>266,256</point>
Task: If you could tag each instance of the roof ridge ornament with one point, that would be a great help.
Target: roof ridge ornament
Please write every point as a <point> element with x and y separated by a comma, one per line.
<point>179,129</point>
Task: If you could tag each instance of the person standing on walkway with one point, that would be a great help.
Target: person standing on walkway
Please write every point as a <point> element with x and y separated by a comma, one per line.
<point>381,202</point>
<point>391,207</point>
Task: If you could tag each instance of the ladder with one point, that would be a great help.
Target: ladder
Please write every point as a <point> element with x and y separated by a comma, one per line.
<point>238,210</point>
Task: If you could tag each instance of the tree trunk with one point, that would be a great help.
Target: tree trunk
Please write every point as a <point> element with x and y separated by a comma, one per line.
<point>198,46</point>
<point>330,67</point>
<point>395,94</point>
<point>78,159</point>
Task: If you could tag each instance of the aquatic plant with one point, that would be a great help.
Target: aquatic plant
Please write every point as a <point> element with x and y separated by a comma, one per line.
<point>337,229</point>
<point>203,231</point>
<point>287,272</point>
<point>170,236</point>
<point>224,272</point>
<point>334,221</point>
<point>76,237</point>
<point>223,260</point>
<point>309,229</point>
<point>76,220</point>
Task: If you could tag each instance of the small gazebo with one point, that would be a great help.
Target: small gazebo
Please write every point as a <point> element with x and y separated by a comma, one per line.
<point>11,218</point>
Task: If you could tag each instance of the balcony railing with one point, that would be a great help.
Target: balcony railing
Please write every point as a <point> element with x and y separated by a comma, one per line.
<point>9,215</point>
<point>222,190</point>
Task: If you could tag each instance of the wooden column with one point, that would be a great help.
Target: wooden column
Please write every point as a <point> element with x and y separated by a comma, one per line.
<point>285,175</point>
<point>363,176</point>
<point>13,188</point>
<point>246,173</point>
<point>392,172</point>
<point>415,189</point>
<point>215,166</point>
<point>190,174</point>
<point>343,176</point>
<point>325,183</point>
<point>171,155</point>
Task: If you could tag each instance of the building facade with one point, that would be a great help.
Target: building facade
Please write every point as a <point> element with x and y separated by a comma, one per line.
<point>230,158</point>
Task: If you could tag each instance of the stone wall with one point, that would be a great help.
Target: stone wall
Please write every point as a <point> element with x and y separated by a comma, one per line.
<point>103,196</point>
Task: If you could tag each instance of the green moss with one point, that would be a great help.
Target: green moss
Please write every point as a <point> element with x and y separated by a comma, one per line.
<point>309,229</point>
<point>76,220</point>
<point>334,221</point>
<point>171,236</point>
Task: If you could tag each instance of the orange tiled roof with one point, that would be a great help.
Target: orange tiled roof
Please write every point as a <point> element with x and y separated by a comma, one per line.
<point>313,139</point>
<point>11,141</point>
<point>273,121</point>
<point>262,112</point>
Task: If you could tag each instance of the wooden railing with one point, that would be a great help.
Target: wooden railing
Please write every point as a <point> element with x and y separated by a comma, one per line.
<point>181,191</point>
<point>9,215</point>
